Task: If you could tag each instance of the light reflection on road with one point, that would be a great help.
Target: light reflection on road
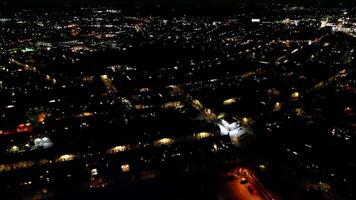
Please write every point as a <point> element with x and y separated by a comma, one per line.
<point>231,188</point>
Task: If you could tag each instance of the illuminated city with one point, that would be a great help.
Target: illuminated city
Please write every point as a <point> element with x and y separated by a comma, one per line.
<point>235,101</point>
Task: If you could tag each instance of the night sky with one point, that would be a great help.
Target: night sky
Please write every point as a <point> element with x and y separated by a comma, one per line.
<point>170,2</point>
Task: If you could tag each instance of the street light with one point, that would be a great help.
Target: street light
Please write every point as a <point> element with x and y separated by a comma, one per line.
<point>125,168</point>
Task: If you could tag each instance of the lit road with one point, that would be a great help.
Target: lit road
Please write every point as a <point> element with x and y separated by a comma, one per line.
<point>27,67</point>
<point>232,189</point>
<point>110,87</point>
<point>339,75</point>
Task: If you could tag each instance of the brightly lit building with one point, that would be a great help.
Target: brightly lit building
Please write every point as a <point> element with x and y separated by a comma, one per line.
<point>234,130</point>
<point>44,142</point>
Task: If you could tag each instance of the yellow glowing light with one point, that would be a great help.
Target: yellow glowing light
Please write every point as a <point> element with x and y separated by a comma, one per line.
<point>202,135</point>
<point>14,149</point>
<point>277,106</point>
<point>172,105</point>
<point>125,168</point>
<point>87,114</point>
<point>139,107</point>
<point>197,105</point>
<point>221,115</point>
<point>145,89</point>
<point>41,117</point>
<point>66,157</point>
<point>299,111</point>
<point>245,120</point>
<point>118,149</point>
<point>234,139</point>
<point>104,76</point>
<point>295,95</point>
<point>88,78</point>
<point>164,141</point>
<point>229,101</point>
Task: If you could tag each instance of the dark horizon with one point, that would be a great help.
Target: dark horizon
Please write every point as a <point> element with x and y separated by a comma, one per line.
<point>20,3</point>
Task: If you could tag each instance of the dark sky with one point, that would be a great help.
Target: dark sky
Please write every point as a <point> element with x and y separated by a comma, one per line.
<point>38,3</point>
<point>170,1</point>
